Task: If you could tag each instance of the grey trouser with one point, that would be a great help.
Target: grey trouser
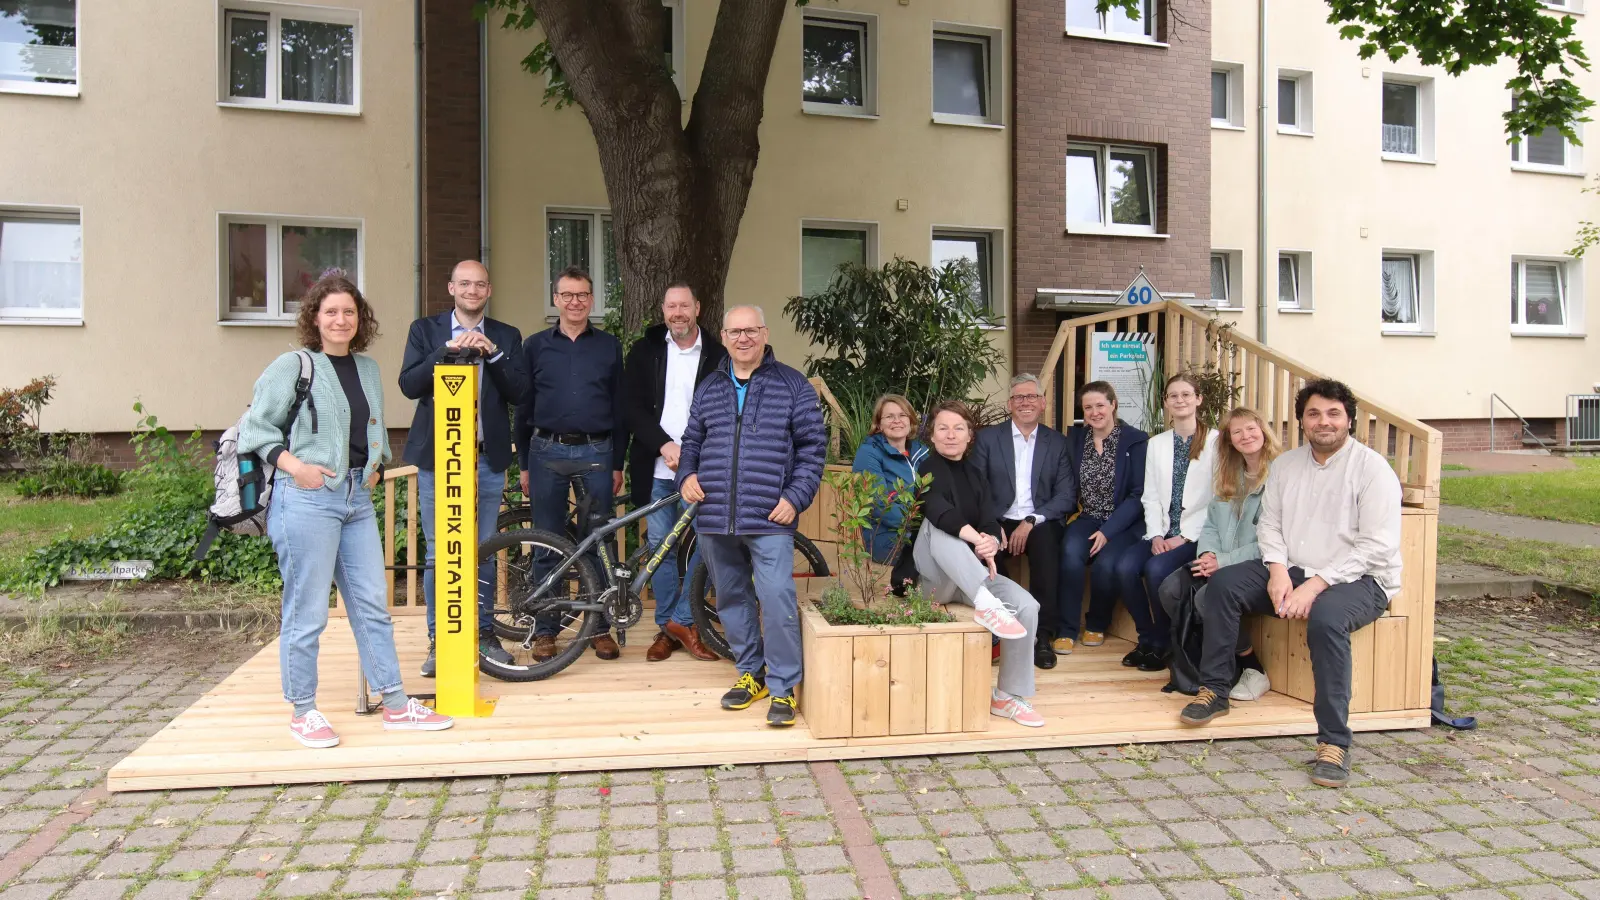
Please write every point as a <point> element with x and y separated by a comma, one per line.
<point>952,573</point>
<point>1181,584</point>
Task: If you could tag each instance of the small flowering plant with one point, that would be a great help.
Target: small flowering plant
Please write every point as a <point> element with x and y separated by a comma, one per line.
<point>862,594</point>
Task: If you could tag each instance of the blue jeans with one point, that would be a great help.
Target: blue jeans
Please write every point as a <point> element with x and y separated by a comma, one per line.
<point>754,574</point>
<point>325,537</point>
<point>1101,568</point>
<point>1140,572</point>
<point>549,502</point>
<point>491,485</point>
<point>672,603</point>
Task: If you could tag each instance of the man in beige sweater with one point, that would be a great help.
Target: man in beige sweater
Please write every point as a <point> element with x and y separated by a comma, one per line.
<point>1330,554</point>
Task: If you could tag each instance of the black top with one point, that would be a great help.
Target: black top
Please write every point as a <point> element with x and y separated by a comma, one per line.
<point>345,367</point>
<point>957,496</point>
<point>576,388</point>
<point>503,383</point>
<point>645,376</point>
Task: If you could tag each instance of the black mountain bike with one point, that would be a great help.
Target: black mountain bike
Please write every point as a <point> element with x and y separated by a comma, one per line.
<point>568,582</point>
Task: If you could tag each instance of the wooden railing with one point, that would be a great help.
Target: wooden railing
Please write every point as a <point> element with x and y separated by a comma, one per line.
<point>1263,380</point>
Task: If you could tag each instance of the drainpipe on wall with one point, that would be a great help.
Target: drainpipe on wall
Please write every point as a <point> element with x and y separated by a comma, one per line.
<point>483,142</point>
<point>1264,264</point>
<point>417,25</point>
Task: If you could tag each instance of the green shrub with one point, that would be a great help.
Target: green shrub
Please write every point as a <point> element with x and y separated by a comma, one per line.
<point>65,477</point>
<point>913,609</point>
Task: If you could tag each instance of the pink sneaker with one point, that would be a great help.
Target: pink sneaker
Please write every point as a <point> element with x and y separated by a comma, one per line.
<point>1003,624</point>
<point>1017,710</point>
<point>415,717</point>
<point>313,730</point>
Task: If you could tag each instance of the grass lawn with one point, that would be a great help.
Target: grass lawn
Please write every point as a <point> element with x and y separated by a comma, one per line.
<point>1577,566</point>
<point>1563,496</point>
<point>28,524</point>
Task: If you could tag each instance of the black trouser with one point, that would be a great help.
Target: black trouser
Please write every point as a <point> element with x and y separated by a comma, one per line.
<point>1044,570</point>
<point>1180,586</point>
<point>1340,610</point>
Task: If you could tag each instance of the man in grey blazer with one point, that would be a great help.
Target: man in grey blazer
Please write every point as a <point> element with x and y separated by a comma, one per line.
<point>1032,491</point>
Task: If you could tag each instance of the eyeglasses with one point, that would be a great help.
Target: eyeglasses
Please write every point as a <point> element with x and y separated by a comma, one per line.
<point>574,296</point>
<point>744,333</point>
<point>1026,398</point>
<point>480,285</point>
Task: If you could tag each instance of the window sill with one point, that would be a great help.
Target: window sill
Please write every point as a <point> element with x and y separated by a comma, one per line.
<point>1401,332</point>
<point>1114,38</point>
<point>1295,311</point>
<point>256,323</point>
<point>1295,132</point>
<point>42,90</point>
<point>1402,158</point>
<point>1547,170</point>
<point>837,112</point>
<point>966,122</point>
<point>313,109</point>
<point>1554,7</point>
<point>1114,232</point>
<point>1219,125</point>
<point>1541,333</point>
<point>1222,309</point>
<point>47,322</point>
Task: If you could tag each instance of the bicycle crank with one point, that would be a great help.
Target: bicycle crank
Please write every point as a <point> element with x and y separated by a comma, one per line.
<point>624,608</point>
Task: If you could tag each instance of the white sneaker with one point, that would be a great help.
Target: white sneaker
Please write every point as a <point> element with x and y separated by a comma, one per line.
<point>1253,685</point>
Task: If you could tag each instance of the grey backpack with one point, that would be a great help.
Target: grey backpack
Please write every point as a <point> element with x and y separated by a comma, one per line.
<point>244,480</point>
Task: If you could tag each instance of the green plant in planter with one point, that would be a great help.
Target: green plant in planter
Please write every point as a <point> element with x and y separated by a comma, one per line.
<point>860,498</point>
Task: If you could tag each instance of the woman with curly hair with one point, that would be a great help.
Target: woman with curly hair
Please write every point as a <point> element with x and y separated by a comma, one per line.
<point>321,520</point>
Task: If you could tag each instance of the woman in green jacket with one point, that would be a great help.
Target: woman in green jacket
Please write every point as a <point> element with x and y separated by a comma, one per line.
<point>1229,535</point>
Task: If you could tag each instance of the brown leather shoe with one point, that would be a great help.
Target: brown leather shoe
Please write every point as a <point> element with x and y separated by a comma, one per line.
<point>544,647</point>
<point>605,647</point>
<point>689,637</point>
<point>661,649</point>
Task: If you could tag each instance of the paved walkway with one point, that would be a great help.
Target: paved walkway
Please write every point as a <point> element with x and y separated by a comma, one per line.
<point>1520,526</point>
<point>1509,811</point>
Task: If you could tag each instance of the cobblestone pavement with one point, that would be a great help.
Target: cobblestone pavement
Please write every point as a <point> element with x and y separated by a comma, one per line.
<point>1511,810</point>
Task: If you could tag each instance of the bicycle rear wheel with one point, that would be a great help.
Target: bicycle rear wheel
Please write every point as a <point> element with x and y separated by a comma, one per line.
<point>523,558</point>
<point>808,563</point>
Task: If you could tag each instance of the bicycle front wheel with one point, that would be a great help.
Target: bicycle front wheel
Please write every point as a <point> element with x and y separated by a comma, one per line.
<point>523,559</point>
<point>808,563</point>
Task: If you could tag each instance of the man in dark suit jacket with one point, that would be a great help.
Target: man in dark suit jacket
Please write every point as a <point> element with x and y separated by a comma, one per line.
<point>1032,491</point>
<point>662,370</point>
<point>502,383</point>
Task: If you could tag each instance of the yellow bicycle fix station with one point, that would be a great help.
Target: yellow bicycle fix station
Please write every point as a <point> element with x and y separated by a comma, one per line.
<point>455,510</point>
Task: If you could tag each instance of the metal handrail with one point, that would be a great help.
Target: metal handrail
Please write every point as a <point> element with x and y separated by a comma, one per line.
<point>1526,428</point>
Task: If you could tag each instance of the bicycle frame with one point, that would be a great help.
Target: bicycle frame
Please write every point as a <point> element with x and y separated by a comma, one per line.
<point>598,535</point>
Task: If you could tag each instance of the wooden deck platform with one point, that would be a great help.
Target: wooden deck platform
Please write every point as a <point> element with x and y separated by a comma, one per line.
<point>629,714</point>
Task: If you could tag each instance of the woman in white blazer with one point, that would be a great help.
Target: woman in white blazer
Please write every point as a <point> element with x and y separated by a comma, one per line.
<point>1178,472</point>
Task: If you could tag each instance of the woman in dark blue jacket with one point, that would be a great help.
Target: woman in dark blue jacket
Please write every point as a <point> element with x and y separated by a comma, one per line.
<point>1107,455</point>
<point>891,453</point>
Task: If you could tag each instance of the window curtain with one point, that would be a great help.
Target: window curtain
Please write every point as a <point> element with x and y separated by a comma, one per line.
<point>569,245</point>
<point>1543,305</point>
<point>318,61</point>
<point>1399,291</point>
<point>40,265</point>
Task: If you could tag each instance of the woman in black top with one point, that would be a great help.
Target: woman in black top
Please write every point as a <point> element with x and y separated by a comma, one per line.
<point>955,551</point>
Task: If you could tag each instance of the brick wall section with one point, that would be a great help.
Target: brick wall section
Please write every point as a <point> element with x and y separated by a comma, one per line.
<point>450,155</point>
<point>1472,435</point>
<point>1070,89</point>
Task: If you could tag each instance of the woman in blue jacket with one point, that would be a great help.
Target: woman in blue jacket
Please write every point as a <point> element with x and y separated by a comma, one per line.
<point>891,453</point>
<point>1108,457</point>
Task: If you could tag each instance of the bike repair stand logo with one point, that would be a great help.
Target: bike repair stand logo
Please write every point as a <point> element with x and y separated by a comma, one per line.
<point>455,528</point>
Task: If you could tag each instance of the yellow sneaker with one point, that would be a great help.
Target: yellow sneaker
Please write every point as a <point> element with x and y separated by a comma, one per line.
<point>1093,638</point>
<point>1062,646</point>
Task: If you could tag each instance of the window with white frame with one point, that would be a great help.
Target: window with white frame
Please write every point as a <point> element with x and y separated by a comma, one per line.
<point>1083,18</point>
<point>1407,118</point>
<point>39,47</point>
<point>1294,101</point>
<point>1225,283</point>
<point>966,75</point>
<point>41,265</point>
<point>836,53</point>
<point>583,238</point>
<point>1405,290</point>
<point>1294,280</point>
<point>979,249</point>
<point>268,262</point>
<point>1549,149</point>
<point>1540,296</point>
<point>1111,188</point>
<point>291,57</point>
<point>1227,95</point>
<point>825,246</point>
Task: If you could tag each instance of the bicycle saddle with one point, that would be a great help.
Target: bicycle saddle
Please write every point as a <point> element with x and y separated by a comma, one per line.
<point>571,468</point>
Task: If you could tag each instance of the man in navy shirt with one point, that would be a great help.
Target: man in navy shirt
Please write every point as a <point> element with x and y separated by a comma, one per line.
<point>572,412</point>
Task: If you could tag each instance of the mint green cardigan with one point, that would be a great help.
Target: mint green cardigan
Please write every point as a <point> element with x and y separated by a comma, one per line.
<point>1230,531</point>
<point>266,424</point>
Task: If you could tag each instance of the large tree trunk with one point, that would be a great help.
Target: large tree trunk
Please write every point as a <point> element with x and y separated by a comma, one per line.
<point>677,193</point>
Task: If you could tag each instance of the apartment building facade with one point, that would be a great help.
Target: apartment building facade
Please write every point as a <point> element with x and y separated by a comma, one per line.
<point>1409,248</point>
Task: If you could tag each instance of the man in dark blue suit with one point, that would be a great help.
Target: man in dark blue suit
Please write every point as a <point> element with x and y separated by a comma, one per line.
<point>502,384</point>
<point>1031,491</point>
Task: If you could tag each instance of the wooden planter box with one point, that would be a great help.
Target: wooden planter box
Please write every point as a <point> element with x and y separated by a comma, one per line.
<point>875,681</point>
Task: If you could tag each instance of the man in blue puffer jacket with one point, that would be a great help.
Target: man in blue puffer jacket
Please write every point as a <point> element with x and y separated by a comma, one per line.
<point>752,457</point>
